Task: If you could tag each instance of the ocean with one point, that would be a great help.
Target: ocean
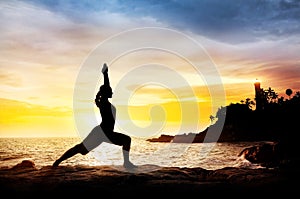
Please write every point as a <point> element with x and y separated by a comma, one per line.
<point>44,151</point>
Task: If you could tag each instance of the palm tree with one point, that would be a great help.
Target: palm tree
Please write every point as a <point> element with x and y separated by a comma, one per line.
<point>269,94</point>
<point>212,118</point>
<point>249,103</point>
<point>289,92</point>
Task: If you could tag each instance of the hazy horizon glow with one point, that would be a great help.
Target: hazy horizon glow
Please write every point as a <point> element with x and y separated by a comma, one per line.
<point>43,45</point>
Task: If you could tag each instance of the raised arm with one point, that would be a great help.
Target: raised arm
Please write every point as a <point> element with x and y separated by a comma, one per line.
<point>106,84</point>
<point>105,74</point>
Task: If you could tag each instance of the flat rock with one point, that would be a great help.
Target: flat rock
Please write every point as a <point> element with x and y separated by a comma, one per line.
<point>149,179</point>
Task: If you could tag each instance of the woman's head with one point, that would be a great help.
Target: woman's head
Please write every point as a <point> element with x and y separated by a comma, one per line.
<point>105,91</point>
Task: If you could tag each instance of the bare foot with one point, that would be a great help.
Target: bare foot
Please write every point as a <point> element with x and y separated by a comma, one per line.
<point>55,164</point>
<point>129,165</point>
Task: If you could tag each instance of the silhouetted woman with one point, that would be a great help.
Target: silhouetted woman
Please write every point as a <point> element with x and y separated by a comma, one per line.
<point>103,132</point>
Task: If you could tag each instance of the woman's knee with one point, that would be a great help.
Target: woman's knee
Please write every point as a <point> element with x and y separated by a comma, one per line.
<point>127,139</point>
<point>81,149</point>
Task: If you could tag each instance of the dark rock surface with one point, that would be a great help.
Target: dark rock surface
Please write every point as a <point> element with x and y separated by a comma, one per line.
<point>25,179</point>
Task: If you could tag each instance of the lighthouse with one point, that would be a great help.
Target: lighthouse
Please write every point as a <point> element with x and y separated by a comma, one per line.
<point>258,95</point>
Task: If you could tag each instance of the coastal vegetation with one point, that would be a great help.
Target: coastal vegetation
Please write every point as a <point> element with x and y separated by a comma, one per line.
<point>267,118</point>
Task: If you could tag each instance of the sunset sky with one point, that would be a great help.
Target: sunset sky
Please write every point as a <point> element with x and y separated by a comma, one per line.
<point>47,46</point>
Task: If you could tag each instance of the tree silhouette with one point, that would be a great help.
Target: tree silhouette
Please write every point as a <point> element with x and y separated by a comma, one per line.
<point>271,95</point>
<point>212,118</point>
<point>280,100</point>
<point>289,92</point>
<point>248,102</point>
<point>274,96</point>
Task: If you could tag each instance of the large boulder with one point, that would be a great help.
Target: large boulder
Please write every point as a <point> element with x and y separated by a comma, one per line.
<point>266,154</point>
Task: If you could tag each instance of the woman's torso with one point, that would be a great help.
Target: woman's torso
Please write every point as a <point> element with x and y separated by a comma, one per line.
<point>108,114</point>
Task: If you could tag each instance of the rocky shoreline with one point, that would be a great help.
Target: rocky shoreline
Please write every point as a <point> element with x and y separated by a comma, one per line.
<point>25,179</point>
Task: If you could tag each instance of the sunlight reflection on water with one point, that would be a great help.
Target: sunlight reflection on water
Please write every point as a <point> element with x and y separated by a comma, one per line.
<point>44,151</point>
